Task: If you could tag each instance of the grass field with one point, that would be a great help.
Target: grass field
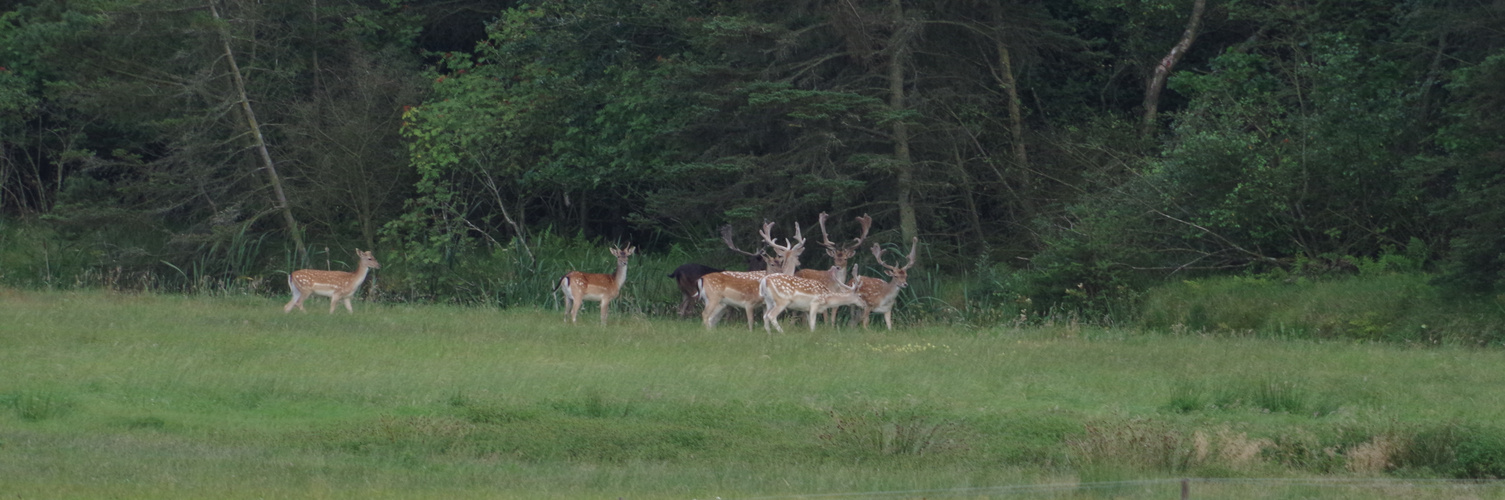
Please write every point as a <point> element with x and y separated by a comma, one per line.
<point>149,396</point>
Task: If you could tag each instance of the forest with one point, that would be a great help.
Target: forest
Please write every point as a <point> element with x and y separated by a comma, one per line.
<point>1060,154</point>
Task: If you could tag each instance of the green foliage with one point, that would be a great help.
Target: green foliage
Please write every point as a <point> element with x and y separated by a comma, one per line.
<point>468,399</point>
<point>1399,307</point>
<point>1453,449</point>
<point>34,406</point>
<point>1472,180</point>
<point>1260,394</point>
<point>915,430</point>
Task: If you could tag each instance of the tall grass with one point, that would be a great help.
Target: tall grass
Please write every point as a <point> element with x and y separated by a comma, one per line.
<point>1385,302</point>
<point>182,396</point>
<point>1395,307</point>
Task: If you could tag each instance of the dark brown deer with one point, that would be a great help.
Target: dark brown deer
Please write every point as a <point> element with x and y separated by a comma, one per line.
<point>687,275</point>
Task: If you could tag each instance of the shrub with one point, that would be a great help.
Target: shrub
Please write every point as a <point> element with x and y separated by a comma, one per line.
<point>888,431</point>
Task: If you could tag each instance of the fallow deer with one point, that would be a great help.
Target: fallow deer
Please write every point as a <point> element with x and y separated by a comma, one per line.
<point>837,274</point>
<point>579,287</point>
<point>337,285</point>
<point>688,276</point>
<point>782,292</point>
<point>740,289</point>
<point>879,296</point>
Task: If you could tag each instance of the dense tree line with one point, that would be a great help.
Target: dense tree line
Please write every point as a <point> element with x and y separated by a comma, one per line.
<point>1089,144</point>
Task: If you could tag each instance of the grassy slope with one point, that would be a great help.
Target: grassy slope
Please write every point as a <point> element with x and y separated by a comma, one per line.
<point>159,396</point>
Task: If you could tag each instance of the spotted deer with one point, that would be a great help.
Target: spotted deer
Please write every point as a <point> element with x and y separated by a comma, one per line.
<point>840,255</point>
<point>879,296</point>
<point>337,285</point>
<point>782,292</point>
<point>579,287</point>
<point>740,289</point>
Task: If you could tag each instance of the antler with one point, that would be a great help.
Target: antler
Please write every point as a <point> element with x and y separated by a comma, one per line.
<point>767,235</point>
<point>825,239</point>
<point>914,247</point>
<point>787,255</point>
<point>726,237</point>
<point>878,254</point>
<point>867,223</point>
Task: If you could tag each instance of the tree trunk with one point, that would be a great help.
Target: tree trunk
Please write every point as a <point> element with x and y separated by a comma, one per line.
<point>1163,70</point>
<point>969,197</point>
<point>261,145</point>
<point>897,59</point>
<point>1016,126</point>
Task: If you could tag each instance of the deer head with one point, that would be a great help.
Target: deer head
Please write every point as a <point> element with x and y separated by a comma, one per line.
<point>840,255</point>
<point>788,254</point>
<point>900,274</point>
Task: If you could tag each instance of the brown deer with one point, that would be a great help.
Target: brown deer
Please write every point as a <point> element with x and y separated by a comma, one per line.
<point>879,296</point>
<point>579,287</point>
<point>337,285</point>
<point>837,274</point>
<point>740,289</point>
<point>688,276</point>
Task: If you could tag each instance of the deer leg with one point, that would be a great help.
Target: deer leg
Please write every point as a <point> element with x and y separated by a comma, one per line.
<point>297,298</point>
<point>814,316</point>
<point>888,317</point>
<point>712,315</point>
<point>771,315</point>
<point>604,304</point>
<point>347,303</point>
<point>575,302</point>
<point>749,311</point>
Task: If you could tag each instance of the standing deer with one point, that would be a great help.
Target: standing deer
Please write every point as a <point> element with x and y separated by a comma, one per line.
<point>688,276</point>
<point>337,285</point>
<point>879,296</point>
<point>837,274</point>
<point>782,292</point>
<point>740,289</point>
<point>579,287</point>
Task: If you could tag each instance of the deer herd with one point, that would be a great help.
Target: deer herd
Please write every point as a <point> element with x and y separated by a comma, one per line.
<point>772,282</point>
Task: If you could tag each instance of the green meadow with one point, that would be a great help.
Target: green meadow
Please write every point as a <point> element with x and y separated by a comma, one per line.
<point>118,395</point>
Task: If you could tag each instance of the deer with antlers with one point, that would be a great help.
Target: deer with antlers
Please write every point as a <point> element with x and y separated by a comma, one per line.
<point>740,289</point>
<point>579,287</point>
<point>879,296</point>
<point>339,286</point>
<point>840,255</point>
<point>688,276</point>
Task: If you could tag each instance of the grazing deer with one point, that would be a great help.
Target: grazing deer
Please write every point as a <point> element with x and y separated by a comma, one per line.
<point>740,289</point>
<point>579,287</point>
<point>837,274</point>
<point>337,285</point>
<point>879,296</point>
<point>688,276</point>
<point>782,292</point>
